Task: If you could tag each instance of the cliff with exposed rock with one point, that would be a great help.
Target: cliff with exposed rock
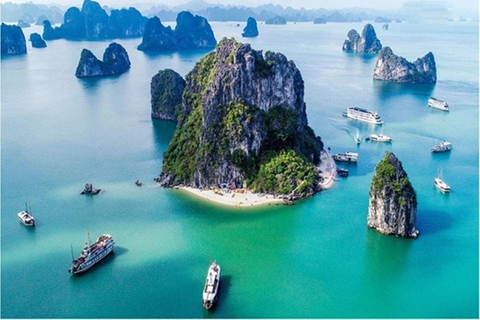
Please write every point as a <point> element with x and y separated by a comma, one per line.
<point>251,30</point>
<point>392,207</point>
<point>191,32</point>
<point>13,40</point>
<point>366,43</point>
<point>393,68</point>
<point>115,61</point>
<point>243,121</point>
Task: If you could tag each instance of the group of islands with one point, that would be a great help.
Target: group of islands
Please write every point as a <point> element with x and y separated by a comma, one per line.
<point>240,113</point>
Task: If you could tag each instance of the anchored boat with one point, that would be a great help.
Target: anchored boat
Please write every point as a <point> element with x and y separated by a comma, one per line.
<point>443,146</point>
<point>438,104</point>
<point>89,189</point>
<point>346,157</point>
<point>92,254</point>
<point>210,291</point>
<point>26,217</point>
<point>380,138</point>
<point>362,114</point>
<point>342,172</point>
<point>440,184</point>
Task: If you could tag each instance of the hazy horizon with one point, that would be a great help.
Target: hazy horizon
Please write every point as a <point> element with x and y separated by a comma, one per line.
<point>307,4</point>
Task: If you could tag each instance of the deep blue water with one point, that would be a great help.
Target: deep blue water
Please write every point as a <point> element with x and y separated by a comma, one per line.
<point>314,259</point>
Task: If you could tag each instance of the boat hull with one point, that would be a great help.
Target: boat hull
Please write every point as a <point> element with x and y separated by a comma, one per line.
<point>89,263</point>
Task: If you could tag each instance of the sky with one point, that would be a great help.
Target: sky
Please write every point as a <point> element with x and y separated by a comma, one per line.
<point>308,4</point>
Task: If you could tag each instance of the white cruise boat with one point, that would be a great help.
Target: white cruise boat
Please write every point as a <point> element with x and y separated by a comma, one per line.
<point>443,146</point>
<point>26,217</point>
<point>438,104</point>
<point>92,254</point>
<point>380,138</point>
<point>346,157</point>
<point>362,114</point>
<point>440,184</point>
<point>210,291</point>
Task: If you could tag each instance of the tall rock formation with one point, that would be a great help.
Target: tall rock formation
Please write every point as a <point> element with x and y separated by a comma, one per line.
<point>50,33</point>
<point>392,208</point>
<point>115,61</point>
<point>191,32</point>
<point>166,90</point>
<point>367,42</point>
<point>92,22</point>
<point>243,120</point>
<point>390,67</point>
<point>276,20</point>
<point>13,40</point>
<point>37,41</point>
<point>251,29</point>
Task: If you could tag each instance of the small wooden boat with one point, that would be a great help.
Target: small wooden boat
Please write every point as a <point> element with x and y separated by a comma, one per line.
<point>210,291</point>
<point>342,172</point>
<point>89,189</point>
<point>138,183</point>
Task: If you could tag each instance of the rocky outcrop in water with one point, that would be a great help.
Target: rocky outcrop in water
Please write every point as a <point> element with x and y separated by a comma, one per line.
<point>392,208</point>
<point>393,68</point>
<point>243,120</point>
<point>37,41</point>
<point>50,33</point>
<point>251,29</point>
<point>367,42</point>
<point>92,22</point>
<point>191,32</point>
<point>276,20</point>
<point>319,21</point>
<point>166,90</point>
<point>13,40</point>
<point>23,24</point>
<point>115,61</point>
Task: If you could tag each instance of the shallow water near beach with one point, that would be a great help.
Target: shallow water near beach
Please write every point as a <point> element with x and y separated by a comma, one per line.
<point>314,259</point>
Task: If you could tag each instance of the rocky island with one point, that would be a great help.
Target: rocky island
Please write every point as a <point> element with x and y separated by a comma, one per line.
<point>276,20</point>
<point>392,208</point>
<point>191,32</point>
<point>243,123</point>
<point>93,23</point>
<point>366,43</point>
<point>166,90</point>
<point>390,67</point>
<point>13,40</point>
<point>37,41</point>
<point>23,24</point>
<point>115,61</point>
<point>251,29</point>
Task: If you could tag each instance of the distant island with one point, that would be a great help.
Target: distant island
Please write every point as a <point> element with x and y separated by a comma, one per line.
<point>392,207</point>
<point>30,12</point>
<point>13,40</point>
<point>366,43</point>
<point>23,24</point>
<point>93,23</point>
<point>243,123</point>
<point>115,61</point>
<point>276,20</point>
<point>251,30</point>
<point>393,68</point>
<point>191,32</point>
<point>37,41</point>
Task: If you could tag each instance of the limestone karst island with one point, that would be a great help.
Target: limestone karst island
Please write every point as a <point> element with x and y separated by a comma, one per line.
<point>191,159</point>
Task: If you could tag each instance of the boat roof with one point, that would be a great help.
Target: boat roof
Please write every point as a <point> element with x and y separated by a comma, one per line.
<point>359,109</point>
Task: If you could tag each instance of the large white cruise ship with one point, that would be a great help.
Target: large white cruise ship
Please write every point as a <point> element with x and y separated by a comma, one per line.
<point>92,254</point>
<point>362,114</point>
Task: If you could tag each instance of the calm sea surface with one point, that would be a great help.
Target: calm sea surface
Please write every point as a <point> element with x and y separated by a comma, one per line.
<point>314,259</point>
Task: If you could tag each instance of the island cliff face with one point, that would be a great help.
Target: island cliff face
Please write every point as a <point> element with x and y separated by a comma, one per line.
<point>393,203</point>
<point>115,61</point>
<point>251,29</point>
<point>166,90</point>
<point>191,32</point>
<point>93,23</point>
<point>390,67</point>
<point>37,41</point>
<point>243,121</point>
<point>367,42</point>
<point>13,40</point>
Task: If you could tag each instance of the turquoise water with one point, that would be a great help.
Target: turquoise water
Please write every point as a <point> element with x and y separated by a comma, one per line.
<point>314,259</point>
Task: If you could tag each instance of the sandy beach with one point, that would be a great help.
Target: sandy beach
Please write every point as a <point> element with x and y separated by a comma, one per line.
<point>234,198</point>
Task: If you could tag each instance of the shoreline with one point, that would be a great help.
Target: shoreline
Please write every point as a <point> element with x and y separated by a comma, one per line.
<point>237,198</point>
<point>242,198</point>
